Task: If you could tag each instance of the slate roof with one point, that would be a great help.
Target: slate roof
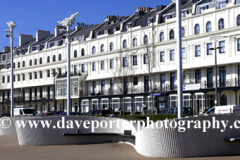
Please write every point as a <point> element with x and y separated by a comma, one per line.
<point>185,5</point>
<point>142,21</point>
<point>83,31</point>
<point>43,41</point>
<point>109,25</point>
<point>26,45</point>
<point>205,1</point>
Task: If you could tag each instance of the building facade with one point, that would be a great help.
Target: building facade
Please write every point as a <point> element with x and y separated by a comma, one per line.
<point>131,56</point>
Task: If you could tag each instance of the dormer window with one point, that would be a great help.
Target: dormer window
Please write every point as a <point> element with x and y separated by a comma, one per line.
<point>114,30</point>
<point>41,47</point>
<point>165,18</point>
<point>222,5</point>
<point>129,25</point>
<point>96,34</point>
<point>149,21</point>
<point>51,45</point>
<point>60,43</point>
<point>106,31</point>
<point>4,57</point>
<point>33,48</point>
<point>184,14</point>
<point>17,52</point>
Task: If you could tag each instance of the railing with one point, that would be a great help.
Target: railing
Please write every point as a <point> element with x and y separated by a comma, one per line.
<point>72,74</point>
<point>167,87</point>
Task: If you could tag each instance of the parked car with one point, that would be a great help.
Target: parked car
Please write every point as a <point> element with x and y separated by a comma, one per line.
<point>93,112</point>
<point>42,114</point>
<point>230,109</point>
<point>186,110</point>
<point>4,114</point>
<point>105,112</point>
<point>65,113</point>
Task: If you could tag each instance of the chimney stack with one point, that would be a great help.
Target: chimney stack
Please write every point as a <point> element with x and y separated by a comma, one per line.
<point>40,35</point>
<point>24,38</point>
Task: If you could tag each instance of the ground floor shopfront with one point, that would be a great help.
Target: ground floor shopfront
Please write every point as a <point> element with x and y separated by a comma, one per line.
<point>199,100</point>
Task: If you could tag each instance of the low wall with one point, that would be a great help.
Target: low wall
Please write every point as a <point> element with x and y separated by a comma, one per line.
<point>12,130</point>
<point>150,142</point>
<point>54,136</point>
<point>169,143</point>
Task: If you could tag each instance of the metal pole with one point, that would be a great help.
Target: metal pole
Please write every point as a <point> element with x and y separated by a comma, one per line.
<point>54,101</point>
<point>68,22</point>
<point>11,25</point>
<point>68,72</point>
<point>179,48</point>
<point>216,94</point>
<point>12,83</point>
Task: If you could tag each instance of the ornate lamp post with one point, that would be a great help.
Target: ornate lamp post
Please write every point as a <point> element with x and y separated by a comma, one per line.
<point>11,25</point>
<point>68,22</point>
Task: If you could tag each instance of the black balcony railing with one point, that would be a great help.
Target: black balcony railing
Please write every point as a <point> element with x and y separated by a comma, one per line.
<point>72,74</point>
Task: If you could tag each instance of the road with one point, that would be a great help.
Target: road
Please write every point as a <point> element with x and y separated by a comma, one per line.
<point>9,150</point>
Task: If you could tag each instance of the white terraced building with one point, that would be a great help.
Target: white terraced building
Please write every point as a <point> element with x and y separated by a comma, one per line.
<point>125,47</point>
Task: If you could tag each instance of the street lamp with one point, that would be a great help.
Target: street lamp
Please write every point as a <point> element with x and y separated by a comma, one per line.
<point>68,22</point>
<point>179,48</point>
<point>54,100</point>
<point>216,94</point>
<point>11,25</point>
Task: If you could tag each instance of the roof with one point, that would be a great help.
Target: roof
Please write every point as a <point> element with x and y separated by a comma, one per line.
<point>185,5</point>
<point>142,21</point>
<point>43,41</point>
<point>83,31</point>
<point>205,1</point>
<point>107,26</point>
<point>26,45</point>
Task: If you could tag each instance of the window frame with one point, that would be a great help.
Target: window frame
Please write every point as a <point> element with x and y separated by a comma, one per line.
<point>111,47</point>
<point>145,58</point>
<point>134,60</point>
<point>111,63</point>
<point>93,66</point>
<point>208,29</point>
<point>161,37</point>
<point>197,52</point>
<point>222,50</point>
<point>125,64</point>
<point>221,24</point>
<point>124,43</point>
<point>75,54</point>
<point>162,56</point>
<point>102,65</point>
<point>171,34</point>
<point>197,29</point>
<point>102,48</point>
<point>209,52</point>
<point>172,55</point>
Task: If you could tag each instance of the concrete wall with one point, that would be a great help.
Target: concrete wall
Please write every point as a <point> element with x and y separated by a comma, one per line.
<point>150,142</point>
<point>169,143</point>
<point>40,136</point>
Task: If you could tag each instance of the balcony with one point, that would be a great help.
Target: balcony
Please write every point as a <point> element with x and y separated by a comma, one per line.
<point>167,87</point>
<point>72,74</point>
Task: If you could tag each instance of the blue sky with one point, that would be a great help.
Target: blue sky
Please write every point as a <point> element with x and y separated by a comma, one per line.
<point>33,15</point>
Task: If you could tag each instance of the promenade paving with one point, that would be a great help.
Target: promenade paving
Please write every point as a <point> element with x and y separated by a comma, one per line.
<point>9,150</point>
